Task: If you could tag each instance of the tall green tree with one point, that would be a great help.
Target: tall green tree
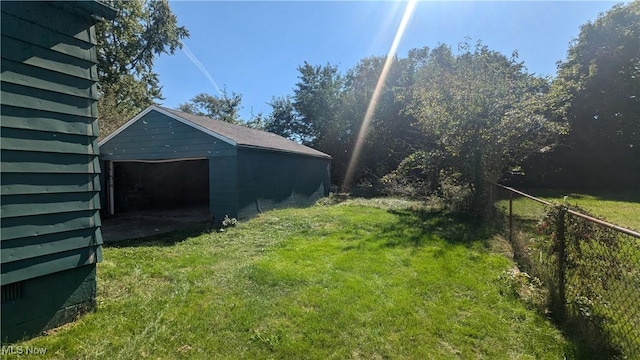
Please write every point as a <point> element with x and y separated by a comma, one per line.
<point>317,100</point>
<point>597,89</point>
<point>285,121</point>
<point>127,47</point>
<point>391,134</point>
<point>225,107</point>
<point>484,112</point>
<point>256,121</point>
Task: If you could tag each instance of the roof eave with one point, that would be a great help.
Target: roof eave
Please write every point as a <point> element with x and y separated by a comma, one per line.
<point>95,9</point>
<point>252,147</point>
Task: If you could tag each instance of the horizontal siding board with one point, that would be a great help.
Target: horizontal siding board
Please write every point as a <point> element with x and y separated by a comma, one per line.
<point>31,98</point>
<point>33,119</point>
<point>36,246</point>
<point>29,140</point>
<point>35,77</point>
<point>23,52</point>
<point>42,162</point>
<point>50,17</point>
<point>35,183</point>
<point>39,204</point>
<point>26,31</point>
<point>20,227</point>
<point>43,265</point>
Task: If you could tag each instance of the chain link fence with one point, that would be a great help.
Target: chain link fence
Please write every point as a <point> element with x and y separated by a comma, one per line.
<point>589,268</point>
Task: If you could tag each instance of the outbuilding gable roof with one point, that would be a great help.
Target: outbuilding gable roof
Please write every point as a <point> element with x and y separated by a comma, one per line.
<point>236,135</point>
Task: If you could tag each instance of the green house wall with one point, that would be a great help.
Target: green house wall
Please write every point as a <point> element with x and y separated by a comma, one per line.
<point>49,206</point>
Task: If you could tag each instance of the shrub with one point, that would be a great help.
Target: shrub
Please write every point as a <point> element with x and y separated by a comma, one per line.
<point>416,176</point>
<point>456,194</point>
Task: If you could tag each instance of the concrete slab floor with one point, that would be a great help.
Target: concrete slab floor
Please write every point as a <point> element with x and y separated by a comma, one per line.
<point>138,224</point>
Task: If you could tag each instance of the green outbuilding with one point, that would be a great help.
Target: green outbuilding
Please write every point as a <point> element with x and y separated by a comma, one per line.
<point>164,158</point>
<point>50,235</point>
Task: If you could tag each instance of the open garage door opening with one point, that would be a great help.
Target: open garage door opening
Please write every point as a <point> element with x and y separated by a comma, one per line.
<point>167,185</point>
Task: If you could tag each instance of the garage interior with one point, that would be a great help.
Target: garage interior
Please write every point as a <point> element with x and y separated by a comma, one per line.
<point>170,185</point>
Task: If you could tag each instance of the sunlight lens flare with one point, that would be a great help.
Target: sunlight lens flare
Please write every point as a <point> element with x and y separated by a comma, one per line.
<point>357,148</point>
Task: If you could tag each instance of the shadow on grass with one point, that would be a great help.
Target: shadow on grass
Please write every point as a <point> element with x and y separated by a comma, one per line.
<point>162,240</point>
<point>415,227</point>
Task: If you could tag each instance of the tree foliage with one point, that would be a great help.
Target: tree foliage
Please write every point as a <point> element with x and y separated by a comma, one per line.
<point>597,90</point>
<point>317,100</point>
<point>483,110</point>
<point>447,122</point>
<point>473,115</point>
<point>127,48</point>
<point>285,121</point>
<point>224,107</point>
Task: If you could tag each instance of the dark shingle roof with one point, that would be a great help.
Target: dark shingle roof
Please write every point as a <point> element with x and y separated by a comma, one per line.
<point>247,137</point>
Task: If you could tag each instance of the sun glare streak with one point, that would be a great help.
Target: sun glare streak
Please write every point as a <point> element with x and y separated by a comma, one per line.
<point>200,67</point>
<point>357,148</point>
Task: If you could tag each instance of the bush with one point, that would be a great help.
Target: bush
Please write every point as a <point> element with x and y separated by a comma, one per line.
<point>416,176</point>
<point>367,189</point>
<point>456,194</point>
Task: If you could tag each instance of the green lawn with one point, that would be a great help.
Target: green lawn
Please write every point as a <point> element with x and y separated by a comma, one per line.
<point>342,281</point>
<point>621,208</point>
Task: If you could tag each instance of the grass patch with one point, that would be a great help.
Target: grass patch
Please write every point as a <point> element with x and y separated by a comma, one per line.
<point>342,281</point>
<point>621,208</point>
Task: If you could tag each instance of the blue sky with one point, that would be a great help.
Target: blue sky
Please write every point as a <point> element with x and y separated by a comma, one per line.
<point>254,47</point>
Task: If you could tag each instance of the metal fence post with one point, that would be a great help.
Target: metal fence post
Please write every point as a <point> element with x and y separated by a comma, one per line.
<point>511,217</point>
<point>562,261</point>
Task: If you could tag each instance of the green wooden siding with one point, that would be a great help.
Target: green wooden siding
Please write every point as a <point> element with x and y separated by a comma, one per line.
<point>38,225</point>
<point>39,141</point>
<point>49,202</point>
<point>32,33</point>
<point>35,183</point>
<point>49,153</point>
<point>54,19</point>
<point>24,118</point>
<point>164,138</point>
<point>223,187</point>
<point>48,162</point>
<point>36,246</point>
<point>269,180</point>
